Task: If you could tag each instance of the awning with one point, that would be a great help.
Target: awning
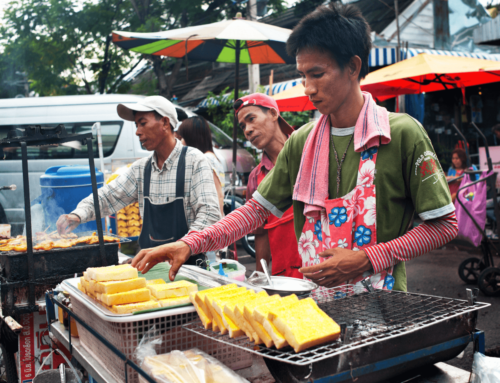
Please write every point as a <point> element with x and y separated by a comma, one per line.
<point>277,88</point>
<point>378,57</point>
<point>387,56</point>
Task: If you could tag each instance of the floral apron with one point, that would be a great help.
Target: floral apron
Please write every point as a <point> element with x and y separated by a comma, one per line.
<point>348,222</point>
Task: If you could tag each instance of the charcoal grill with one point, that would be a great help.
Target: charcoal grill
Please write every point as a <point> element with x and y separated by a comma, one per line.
<point>375,327</point>
<point>31,270</point>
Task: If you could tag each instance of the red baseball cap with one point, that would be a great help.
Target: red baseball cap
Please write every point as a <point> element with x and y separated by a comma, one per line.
<point>259,99</point>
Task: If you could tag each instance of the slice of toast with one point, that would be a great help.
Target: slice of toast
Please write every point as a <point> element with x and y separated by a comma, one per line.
<point>304,324</point>
<point>133,307</point>
<point>229,311</point>
<point>218,305</point>
<point>260,315</point>
<point>207,322</point>
<point>134,296</point>
<point>240,316</point>
<point>156,282</point>
<point>169,302</point>
<point>114,287</point>
<point>199,298</point>
<point>263,336</point>
<point>112,273</point>
<point>221,295</point>
<point>172,290</point>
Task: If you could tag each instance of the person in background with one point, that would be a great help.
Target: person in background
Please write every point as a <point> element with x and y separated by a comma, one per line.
<point>456,171</point>
<point>260,120</point>
<point>195,132</point>
<point>174,185</point>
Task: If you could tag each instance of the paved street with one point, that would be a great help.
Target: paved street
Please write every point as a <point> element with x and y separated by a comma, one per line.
<point>436,273</point>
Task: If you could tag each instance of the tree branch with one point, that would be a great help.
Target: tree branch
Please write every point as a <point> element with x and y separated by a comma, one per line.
<point>113,87</point>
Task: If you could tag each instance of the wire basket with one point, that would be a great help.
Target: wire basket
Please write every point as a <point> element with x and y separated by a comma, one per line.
<point>126,336</point>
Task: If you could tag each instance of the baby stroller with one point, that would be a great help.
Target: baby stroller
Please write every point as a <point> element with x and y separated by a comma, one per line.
<point>482,270</point>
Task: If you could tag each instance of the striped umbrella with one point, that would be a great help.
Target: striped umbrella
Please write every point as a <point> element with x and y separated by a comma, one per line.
<point>230,41</point>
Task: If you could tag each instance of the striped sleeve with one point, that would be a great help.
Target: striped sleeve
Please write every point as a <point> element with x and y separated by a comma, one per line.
<point>229,229</point>
<point>424,238</point>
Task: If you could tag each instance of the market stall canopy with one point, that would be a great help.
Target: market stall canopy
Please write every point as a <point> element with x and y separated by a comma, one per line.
<point>294,100</point>
<point>430,73</point>
<point>235,41</point>
<point>259,43</point>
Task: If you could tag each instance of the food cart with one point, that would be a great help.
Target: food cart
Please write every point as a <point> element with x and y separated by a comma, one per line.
<point>383,335</point>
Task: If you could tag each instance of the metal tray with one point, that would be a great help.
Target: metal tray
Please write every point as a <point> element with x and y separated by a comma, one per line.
<point>54,262</point>
<point>70,285</point>
<point>282,285</point>
<point>371,318</point>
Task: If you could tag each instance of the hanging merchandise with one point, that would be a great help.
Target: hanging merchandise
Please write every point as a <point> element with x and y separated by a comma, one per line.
<point>476,105</point>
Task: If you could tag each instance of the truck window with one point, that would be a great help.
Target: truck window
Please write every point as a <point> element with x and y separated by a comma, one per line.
<point>110,132</point>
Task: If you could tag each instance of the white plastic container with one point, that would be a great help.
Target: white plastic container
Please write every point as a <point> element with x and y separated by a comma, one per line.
<point>237,275</point>
<point>4,231</point>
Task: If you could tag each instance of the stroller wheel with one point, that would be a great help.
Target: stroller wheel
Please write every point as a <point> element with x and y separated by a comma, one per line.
<point>489,281</point>
<point>469,270</point>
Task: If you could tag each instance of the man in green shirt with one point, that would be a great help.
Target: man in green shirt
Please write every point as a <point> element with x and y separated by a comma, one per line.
<point>354,179</point>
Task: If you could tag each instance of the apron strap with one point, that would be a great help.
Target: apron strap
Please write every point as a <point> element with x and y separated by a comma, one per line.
<point>147,176</point>
<point>181,173</point>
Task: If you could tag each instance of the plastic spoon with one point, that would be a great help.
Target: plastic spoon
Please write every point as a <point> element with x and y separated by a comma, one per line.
<point>266,271</point>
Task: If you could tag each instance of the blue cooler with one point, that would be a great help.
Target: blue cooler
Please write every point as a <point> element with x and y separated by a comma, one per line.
<point>63,187</point>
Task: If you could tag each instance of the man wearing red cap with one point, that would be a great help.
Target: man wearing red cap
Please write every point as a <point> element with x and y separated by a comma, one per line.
<point>259,118</point>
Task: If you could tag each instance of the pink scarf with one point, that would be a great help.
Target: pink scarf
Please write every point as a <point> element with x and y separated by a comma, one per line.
<point>311,187</point>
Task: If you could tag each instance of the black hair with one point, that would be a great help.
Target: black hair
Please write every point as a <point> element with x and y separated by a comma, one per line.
<point>158,117</point>
<point>196,133</point>
<point>181,115</point>
<point>340,30</point>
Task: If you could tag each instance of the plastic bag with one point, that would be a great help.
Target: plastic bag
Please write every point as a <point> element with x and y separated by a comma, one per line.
<point>474,200</point>
<point>485,369</point>
<point>150,343</point>
<point>191,366</point>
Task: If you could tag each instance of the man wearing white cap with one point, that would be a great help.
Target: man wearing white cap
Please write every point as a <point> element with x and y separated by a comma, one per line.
<point>174,186</point>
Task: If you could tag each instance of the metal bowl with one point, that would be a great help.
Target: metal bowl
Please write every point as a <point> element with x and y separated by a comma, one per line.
<point>283,285</point>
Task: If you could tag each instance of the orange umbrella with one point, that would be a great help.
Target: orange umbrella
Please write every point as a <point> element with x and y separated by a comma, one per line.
<point>293,100</point>
<point>430,73</point>
<point>422,73</point>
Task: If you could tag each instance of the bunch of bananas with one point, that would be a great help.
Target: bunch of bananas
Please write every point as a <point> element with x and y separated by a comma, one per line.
<point>128,221</point>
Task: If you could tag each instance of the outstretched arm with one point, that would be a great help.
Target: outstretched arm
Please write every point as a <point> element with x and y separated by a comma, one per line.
<point>231,228</point>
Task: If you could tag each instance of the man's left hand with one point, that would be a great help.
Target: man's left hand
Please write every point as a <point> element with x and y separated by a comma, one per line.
<point>343,266</point>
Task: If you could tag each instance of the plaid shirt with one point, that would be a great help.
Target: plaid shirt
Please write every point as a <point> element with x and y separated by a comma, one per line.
<point>201,204</point>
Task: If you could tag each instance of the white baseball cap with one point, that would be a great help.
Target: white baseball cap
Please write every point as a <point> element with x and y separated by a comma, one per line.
<point>158,104</point>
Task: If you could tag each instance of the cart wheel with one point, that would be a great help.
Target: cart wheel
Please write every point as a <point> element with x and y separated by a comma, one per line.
<point>248,243</point>
<point>469,270</point>
<point>9,362</point>
<point>489,281</point>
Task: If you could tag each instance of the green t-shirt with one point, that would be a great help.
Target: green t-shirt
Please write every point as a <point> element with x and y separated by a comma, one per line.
<point>408,178</point>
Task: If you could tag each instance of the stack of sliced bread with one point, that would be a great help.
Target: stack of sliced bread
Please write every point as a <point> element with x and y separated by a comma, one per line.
<point>270,320</point>
<point>120,289</point>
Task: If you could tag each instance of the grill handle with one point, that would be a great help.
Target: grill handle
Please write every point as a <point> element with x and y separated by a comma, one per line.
<point>472,294</point>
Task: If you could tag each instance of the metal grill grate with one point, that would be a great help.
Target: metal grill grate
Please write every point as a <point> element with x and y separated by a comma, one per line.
<point>364,318</point>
